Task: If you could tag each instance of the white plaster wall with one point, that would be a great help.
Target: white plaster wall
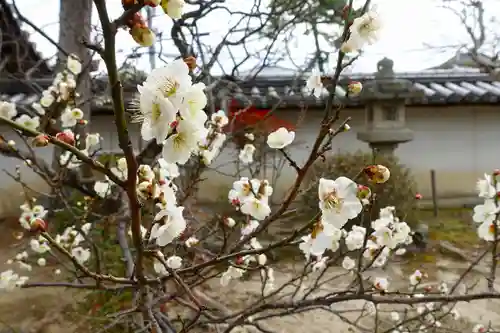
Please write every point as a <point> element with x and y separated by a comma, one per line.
<point>460,143</point>
<point>105,125</point>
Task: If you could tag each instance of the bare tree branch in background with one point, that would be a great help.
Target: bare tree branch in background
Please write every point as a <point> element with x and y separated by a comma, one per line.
<point>481,27</point>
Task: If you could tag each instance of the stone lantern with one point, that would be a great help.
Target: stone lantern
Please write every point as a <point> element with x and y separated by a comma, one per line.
<point>385,98</point>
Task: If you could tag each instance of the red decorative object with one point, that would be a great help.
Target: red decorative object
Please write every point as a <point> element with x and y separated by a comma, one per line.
<point>252,120</point>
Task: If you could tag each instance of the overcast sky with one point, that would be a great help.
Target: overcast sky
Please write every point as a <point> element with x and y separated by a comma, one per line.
<point>409,26</point>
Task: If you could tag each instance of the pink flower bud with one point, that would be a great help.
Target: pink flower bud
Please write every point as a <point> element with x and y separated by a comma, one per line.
<point>354,88</point>
<point>66,136</point>
<point>377,173</point>
<point>142,35</point>
<point>41,140</point>
<point>38,224</point>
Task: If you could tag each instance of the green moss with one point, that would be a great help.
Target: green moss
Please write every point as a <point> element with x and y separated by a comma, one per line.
<point>451,225</point>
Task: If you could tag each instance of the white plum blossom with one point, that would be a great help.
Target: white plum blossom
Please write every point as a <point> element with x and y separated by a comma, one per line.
<point>10,280</point>
<point>38,109</point>
<point>168,170</point>
<point>364,30</point>
<point>219,119</point>
<point>258,208</point>
<point>193,100</point>
<point>348,263</point>
<point>39,246</point>
<point>179,146</point>
<point>486,212</point>
<point>170,81</point>
<point>416,278</point>
<point>158,265</point>
<point>92,140</point>
<point>485,187</point>
<point>80,254</point>
<point>158,113</point>
<point>70,117</point>
<point>355,238</point>
<point>121,168</point>
<point>102,188</point>
<point>74,64</point>
<point>7,110</point>
<point>174,262</point>
<point>174,225</point>
<point>28,122</point>
<point>47,99</point>
<point>231,274</point>
<point>487,230</point>
<point>70,160</point>
<point>320,265</point>
<point>246,154</point>
<point>280,138</point>
<point>326,238</point>
<point>249,227</point>
<point>338,200</point>
<point>381,284</point>
<point>191,241</point>
<point>315,84</point>
<point>251,197</point>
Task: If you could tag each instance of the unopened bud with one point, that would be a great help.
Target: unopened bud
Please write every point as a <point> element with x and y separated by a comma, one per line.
<point>346,128</point>
<point>354,88</point>
<point>190,62</point>
<point>418,196</point>
<point>229,222</point>
<point>41,140</point>
<point>38,224</point>
<point>496,172</point>
<point>142,35</point>
<point>377,173</point>
<point>66,137</point>
<point>346,48</point>
<point>364,192</point>
<point>11,143</point>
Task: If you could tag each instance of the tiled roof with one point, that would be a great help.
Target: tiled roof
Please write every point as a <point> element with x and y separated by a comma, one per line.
<point>450,86</point>
<point>11,28</point>
<point>443,86</point>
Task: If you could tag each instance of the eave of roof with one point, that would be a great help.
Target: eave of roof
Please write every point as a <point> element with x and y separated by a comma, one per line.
<point>7,13</point>
<point>439,87</point>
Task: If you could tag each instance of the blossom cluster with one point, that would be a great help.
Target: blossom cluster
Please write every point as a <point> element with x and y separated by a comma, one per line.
<point>487,213</point>
<point>61,90</point>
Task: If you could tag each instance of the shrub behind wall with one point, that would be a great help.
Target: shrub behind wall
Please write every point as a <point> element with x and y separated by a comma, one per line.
<point>399,191</point>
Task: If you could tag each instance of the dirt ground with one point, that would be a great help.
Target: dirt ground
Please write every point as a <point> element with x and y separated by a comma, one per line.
<point>43,310</point>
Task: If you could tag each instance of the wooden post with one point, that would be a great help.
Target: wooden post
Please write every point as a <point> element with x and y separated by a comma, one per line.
<point>434,195</point>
